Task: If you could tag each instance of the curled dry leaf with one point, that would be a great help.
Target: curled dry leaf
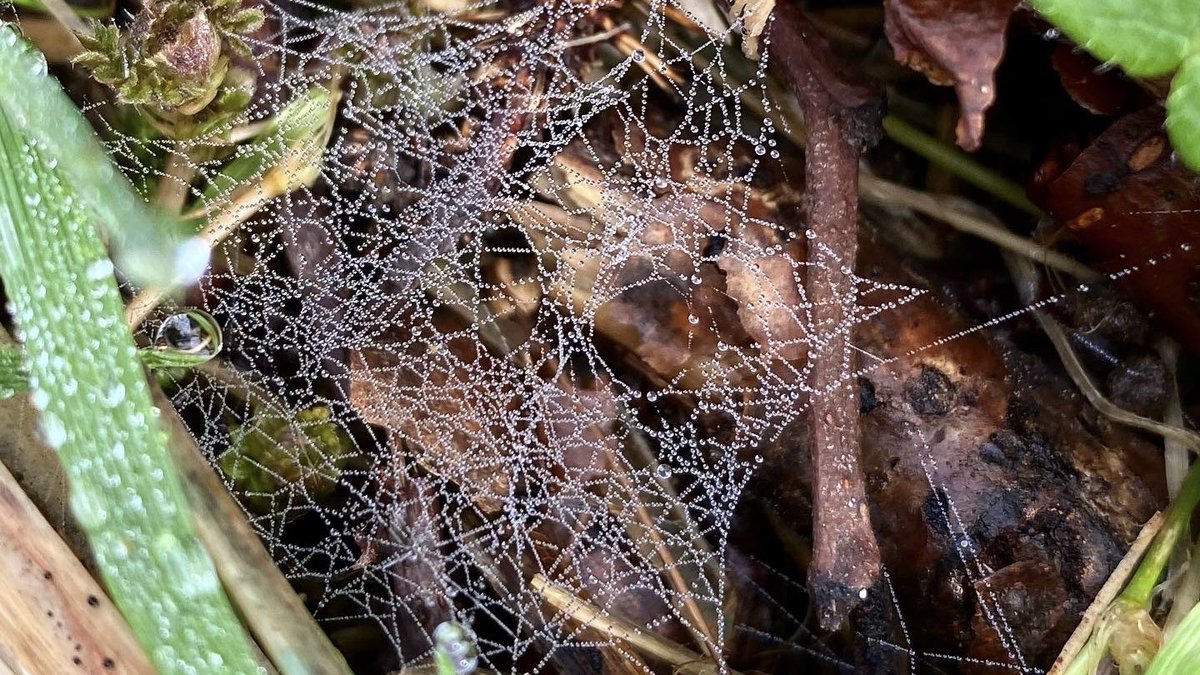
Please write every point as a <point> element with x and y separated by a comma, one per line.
<point>953,42</point>
<point>1103,91</point>
<point>768,285</point>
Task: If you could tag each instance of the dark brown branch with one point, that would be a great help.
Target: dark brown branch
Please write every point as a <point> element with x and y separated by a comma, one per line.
<point>841,116</point>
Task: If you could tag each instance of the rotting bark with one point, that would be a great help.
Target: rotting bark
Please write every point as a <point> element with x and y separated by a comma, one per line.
<point>841,117</point>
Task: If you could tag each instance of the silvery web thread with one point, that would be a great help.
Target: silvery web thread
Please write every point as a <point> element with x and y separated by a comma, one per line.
<point>363,281</point>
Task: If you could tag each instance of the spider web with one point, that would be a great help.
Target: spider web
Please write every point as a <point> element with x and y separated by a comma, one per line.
<point>523,353</point>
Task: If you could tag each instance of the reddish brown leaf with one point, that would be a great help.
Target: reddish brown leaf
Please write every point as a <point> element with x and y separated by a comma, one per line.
<point>1100,90</point>
<point>1135,207</point>
<point>958,42</point>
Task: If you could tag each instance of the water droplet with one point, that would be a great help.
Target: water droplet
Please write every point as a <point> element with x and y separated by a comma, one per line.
<point>40,399</point>
<point>115,395</point>
<point>638,55</point>
<point>696,280</point>
<point>760,150</point>
<point>662,471</point>
<point>193,332</point>
<point>87,509</point>
<point>191,259</point>
<point>810,233</point>
<point>693,319</point>
<point>100,269</point>
<point>54,432</point>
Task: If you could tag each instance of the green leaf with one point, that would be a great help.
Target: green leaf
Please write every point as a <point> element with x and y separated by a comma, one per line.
<point>1183,111</point>
<point>150,249</point>
<point>96,411</point>
<point>290,144</point>
<point>1148,38</point>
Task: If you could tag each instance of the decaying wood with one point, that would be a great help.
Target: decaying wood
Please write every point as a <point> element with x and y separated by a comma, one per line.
<point>54,618</point>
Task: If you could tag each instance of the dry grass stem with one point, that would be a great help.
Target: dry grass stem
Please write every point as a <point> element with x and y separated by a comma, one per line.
<point>682,660</point>
<point>889,194</point>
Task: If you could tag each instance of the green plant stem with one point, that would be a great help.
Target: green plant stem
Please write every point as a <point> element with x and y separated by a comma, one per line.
<point>958,163</point>
<point>96,412</point>
<point>1175,523</point>
<point>1181,653</point>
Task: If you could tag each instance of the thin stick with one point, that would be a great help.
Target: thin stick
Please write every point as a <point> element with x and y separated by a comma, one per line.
<point>1026,278</point>
<point>683,660</point>
<point>1083,380</point>
<point>846,559</point>
<point>701,632</point>
<point>172,190</point>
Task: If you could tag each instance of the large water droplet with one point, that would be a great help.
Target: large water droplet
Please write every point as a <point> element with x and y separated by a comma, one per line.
<point>191,259</point>
<point>88,510</point>
<point>101,269</point>
<point>193,332</point>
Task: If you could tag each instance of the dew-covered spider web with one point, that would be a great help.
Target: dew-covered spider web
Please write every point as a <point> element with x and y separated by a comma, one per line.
<point>526,347</point>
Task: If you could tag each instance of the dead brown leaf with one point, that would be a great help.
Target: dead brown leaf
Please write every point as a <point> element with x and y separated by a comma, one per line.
<point>953,42</point>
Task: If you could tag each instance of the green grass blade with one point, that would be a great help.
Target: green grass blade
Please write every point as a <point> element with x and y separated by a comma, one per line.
<point>1181,654</point>
<point>152,250</point>
<point>97,413</point>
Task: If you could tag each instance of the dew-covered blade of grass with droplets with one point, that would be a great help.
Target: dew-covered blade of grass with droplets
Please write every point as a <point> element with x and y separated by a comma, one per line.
<point>39,109</point>
<point>86,379</point>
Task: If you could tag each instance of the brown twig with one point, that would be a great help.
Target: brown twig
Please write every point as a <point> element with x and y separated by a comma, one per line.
<point>840,117</point>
